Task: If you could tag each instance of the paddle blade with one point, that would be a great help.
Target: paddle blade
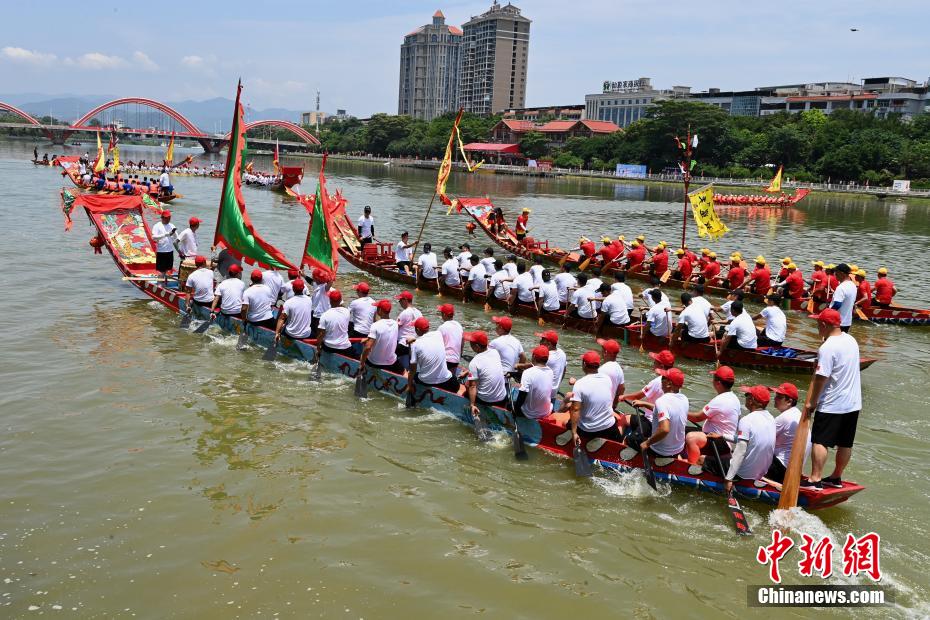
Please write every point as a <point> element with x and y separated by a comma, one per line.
<point>739,518</point>
<point>519,448</point>
<point>361,385</point>
<point>666,276</point>
<point>271,353</point>
<point>185,320</point>
<point>791,484</point>
<point>861,314</point>
<point>584,264</point>
<point>582,464</point>
<point>410,401</point>
<point>540,321</point>
<point>482,432</point>
<point>811,306</point>
<point>203,326</point>
<point>487,307</point>
<point>243,341</point>
<point>647,470</point>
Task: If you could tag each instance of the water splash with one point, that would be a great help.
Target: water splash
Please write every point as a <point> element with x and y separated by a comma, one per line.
<point>630,484</point>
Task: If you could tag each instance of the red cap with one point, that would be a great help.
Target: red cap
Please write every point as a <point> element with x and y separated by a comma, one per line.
<point>292,274</point>
<point>193,220</point>
<point>446,309</point>
<point>787,389</point>
<point>335,296</point>
<point>550,335</point>
<point>321,276</point>
<point>759,392</point>
<point>478,337</point>
<point>422,323</point>
<point>828,316</point>
<point>674,375</point>
<point>235,269</point>
<point>200,260</point>
<point>383,304</point>
<point>362,287</point>
<point>166,213</point>
<point>541,353</point>
<point>504,321</point>
<point>297,286</point>
<point>591,358</point>
<point>610,346</point>
<point>405,295</point>
<point>256,275</point>
<point>664,357</point>
<point>724,373</point>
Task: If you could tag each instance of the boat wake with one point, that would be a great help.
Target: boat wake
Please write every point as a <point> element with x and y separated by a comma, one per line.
<point>629,484</point>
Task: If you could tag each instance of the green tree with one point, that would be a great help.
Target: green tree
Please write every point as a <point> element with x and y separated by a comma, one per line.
<point>533,144</point>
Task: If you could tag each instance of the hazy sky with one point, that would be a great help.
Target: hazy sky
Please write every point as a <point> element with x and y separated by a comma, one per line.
<point>286,50</point>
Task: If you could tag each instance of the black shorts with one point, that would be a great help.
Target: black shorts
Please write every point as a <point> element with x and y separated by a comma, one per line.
<point>450,385</point>
<point>404,265</point>
<point>845,329</point>
<point>834,430</point>
<point>763,340</point>
<point>611,432</point>
<point>776,471</point>
<point>453,367</point>
<point>348,351</point>
<point>734,344</point>
<point>503,404</point>
<point>203,304</point>
<point>164,261</point>
<point>271,323</point>
<point>722,446</point>
<point>686,337</point>
<point>354,333</point>
<point>396,367</point>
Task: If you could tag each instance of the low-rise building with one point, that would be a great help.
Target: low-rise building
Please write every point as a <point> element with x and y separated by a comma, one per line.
<point>546,113</point>
<point>509,131</point>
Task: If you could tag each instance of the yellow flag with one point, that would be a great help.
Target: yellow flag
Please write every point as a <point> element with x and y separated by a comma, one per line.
<point>775,185</point>
<point>471,167</point>
<point>169,155</point>
<point>702,205</point>
<point>101,162</point>
<point>446,166</point>
<point>115,167</point>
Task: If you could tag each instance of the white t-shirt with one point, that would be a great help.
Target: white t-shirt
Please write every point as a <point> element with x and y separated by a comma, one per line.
<point>464,259</point>
<point>405,321</point>
<point>427,263</point>
<point>230,291</point>
<point>597,402</point>
<point>651,393</point>
<point>845,294</point>
<point>537,383</point>
<point>298,310</point>
<point>384,333</point>
<point>450,272</point>
<point>584,307</point>
<point>648,298</point>
<point>402,253</point>
<point>838,359</point>
<point>287,290</point>
<point>162,236</point>
<point>615,372</point>
<point>776,324</point>
<point>615,306</point>
<point>367,225</point>
<point>700,300</point>
<point>550,296</point>
<point>722,415</point>
<point>536,273</point>
<point>320,299</point>
<point>509,349</point>
<point>523,283</point>
<point>187,242</point>
<point>362,312</point>
<point>201,281</point>
<point>259,299</point>
<point>274,282</point>
<point>511,268</point>
<point>488,263</point>
<point>563,282</point>
<point>786,427</point>
<point>658,320</point>
<point>726,310</point>
<point>556,364</point>
<point>428,352</point>
<point>758,428</point>
<point>693,316</point>
<point>625,292</point>
<point>486,371</point>
<point>336,323</point>
<point>501,289</point>
<point>744,329</point>
<point>476,279</point>
<point>164,180</point>
<point>451,332</point>
<point>674,408</point>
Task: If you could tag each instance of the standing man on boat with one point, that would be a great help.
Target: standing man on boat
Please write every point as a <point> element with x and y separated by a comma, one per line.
<point>521,225</point>
<point>295,316</point>
<point>380,350</point>
<point>776,323</point>
<point>486,383</point>
<point>228,294</point>
<point>403,253</point>
<point>275,283</point>
<point>333,333</point>
<point>557,360</point>
<point>257,303</point>
<point>199,285</point>
<point>366,227</point>
<point>164,184</point>
<point>835,399</point>
<point>451,332</point>
<point>405,330</point>
<point>361,312</point>
<point>786,427</point>
<point>720,417</point>
<point>428,360</point>
<point>591,403</point>
<point>884,289</point>
<point>450,269</point>
<point>844,297</point>
<point>187,240</point>
<point>162,233</point>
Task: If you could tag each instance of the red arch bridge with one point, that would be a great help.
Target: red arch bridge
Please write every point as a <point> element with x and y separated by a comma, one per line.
<point>161,121</point>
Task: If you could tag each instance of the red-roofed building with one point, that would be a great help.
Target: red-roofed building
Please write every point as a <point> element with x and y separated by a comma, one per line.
<point>429,65</point>
<point>558,132</point>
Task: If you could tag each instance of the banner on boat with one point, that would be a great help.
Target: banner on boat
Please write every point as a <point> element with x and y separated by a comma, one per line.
<point>321,249</point>
<point>445,168</point>
<point>775,185</point>
<point>120,225</point>
<point>708,222</point>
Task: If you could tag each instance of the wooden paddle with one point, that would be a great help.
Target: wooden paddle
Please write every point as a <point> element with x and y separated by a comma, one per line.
<point>647,464</point>
<point>361,385</point>
<point>271,352</point>
<point>739,518</point>
<point>410,400</point>
<point>316,375</point>
<point>665,276</point>
<point>482,432</point>
<point>811,306</point>
<point>205,325</point>
<point>582,464</point>
<point>642,331</point>
<point>519,449</point>
<point>187,316</point>
<point>584,264</point>
<point>861,314</point>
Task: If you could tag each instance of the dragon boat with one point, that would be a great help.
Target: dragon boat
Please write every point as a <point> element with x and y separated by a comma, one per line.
<point>761,200</point>
<point>69,168</point>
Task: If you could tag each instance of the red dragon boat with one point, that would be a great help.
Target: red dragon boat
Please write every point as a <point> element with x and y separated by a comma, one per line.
<point>123,231</point>
<point>889,315</point>
<point>761,200</point>
<point>69,168</point>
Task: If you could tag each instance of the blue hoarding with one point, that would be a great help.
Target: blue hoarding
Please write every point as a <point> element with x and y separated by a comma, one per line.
<point>631,170</point>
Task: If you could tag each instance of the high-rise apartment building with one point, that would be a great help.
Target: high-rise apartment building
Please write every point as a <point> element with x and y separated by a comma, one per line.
<point>494,57</point>
<point>429,70</point>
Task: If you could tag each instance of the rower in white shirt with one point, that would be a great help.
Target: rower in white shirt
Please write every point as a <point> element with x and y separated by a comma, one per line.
<point>565,282</point>
<point>361,312</point>
<point>658,317</point>
<point>646,295</point>
<point>451,331</point>
<point>488,260</point>
<point>692,322</point>
<point>548,293</point>
<point>614,311</point>
<point>776,323</point>
<point>322,282</point>
<point>403,254</point>
<point>536,270</point>
<point>786,426</point>
<point>486,383</point>
<point>380,349</point>
<point>428,360</point>
<point>663,360</point>
<point>477,279</point>
<point>741,332</point>
<point>426,267</point>
<point>521,289</point>
<point>591,403</point>
<point>719,416</point>
<point>579,305</point>
<point>450,269</point>
<point>405,331</point>
<point>258,303</point>
<point>464,257</point>
<point>665,436</point>
<point>533,399</point>
<point>507,345</point>
<point>273,280</point>
<point>333,332</point>
<point>187,240</point>
<point>510,266</point>
<point>228,294</point>
<point>621,288</point>
<point>199,285</point>
<point>557,361</point>
<point>610,349</point>
<point>294,318</point>
<point>500,282</point>
<point>755,442</point>
<point>287,289</point>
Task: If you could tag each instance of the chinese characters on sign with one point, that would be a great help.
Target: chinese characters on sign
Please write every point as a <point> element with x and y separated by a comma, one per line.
<point>624,86</point>
<point>860,556</point>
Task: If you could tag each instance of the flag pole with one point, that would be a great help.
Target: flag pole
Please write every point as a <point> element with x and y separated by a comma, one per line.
<point>686,177</point>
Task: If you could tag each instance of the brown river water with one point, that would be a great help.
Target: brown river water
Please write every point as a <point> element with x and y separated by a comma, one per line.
<point>152,472</point>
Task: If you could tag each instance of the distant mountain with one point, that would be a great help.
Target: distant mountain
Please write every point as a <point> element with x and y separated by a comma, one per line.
<point>211,115</point>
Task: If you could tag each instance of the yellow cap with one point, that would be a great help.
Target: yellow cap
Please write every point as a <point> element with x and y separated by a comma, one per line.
<point>817,263</point>
<point>606,239</point>
<point>621,238</point>
<point>853,268</point>
<point>738,254</point>
<point>786,260</point>
<point>635,243</point>
<point>760,259</point>
<point>882,271</point>
<point>526,210</point>
<point>679,252</point>
<point>641,238</point>
<point>830,266</point>
<point>735,258</point>
<point>861,273</point>
<point>705,251</point>
<point>792,266</point>
<point>712,255</point>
